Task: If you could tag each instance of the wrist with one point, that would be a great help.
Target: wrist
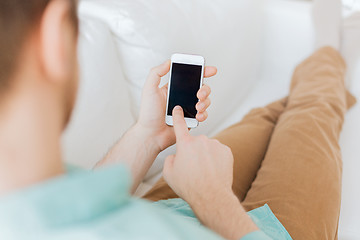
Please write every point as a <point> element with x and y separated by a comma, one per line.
<point>136,140</point>
<point>202,203</point>
<point>224,214</point>
<point>147,137</point>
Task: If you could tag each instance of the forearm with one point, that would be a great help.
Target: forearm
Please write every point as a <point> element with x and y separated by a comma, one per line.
<point>137,150</point>
<point>224,214</point>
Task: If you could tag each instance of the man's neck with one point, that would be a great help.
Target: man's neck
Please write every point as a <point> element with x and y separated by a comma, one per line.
<point>30,132</point>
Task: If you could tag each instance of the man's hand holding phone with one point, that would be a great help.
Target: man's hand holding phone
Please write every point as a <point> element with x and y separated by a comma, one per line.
<point>141,144</point>
<point>151,121</point>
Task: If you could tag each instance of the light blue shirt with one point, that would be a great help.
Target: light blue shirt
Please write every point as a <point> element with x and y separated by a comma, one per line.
<point>95,205</point>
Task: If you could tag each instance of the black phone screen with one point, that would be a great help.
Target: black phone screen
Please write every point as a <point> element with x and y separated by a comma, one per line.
<point>184,85</point>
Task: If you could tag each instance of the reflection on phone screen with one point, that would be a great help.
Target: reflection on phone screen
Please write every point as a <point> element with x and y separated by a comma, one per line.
<point>185,83</point>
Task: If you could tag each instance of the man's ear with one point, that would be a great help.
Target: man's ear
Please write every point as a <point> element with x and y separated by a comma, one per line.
<point>53,42</point>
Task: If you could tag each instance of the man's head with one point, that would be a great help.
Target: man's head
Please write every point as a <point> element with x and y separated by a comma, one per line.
<point>38,51</point>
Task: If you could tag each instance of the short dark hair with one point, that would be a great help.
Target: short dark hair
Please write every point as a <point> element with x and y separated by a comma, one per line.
<point>17,19</point>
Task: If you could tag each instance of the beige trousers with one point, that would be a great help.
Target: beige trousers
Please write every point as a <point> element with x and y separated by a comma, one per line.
<point>287,153</point>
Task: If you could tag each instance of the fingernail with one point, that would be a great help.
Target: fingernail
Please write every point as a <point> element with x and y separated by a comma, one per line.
<point>177,108</point>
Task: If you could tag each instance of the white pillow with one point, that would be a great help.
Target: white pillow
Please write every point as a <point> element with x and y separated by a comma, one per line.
<point>351,50</point>
<point>226,33</point>
<point>102,113</point>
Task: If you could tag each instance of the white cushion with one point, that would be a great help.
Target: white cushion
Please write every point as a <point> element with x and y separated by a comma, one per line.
<point>350,137</point>
<point>102,112</point>
<point>226,33</point>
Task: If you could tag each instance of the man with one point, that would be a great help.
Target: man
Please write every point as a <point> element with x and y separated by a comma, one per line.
<point>39,200</point>
<point>38,91</point>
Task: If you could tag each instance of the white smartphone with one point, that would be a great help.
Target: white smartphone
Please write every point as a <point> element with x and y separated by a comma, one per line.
<point>186,78</point>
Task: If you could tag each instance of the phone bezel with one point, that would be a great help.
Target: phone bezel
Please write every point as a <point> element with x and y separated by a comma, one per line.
<point>190,60</point>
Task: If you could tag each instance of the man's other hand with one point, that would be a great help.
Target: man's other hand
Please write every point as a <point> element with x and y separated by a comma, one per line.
<point>201,166</point>
<point>201,172</point>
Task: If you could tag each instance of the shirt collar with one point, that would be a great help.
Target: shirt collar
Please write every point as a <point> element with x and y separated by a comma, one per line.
<point>75,197</point>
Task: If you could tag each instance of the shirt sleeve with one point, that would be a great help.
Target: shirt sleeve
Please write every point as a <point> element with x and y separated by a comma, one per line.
<point>258,235</point>
<point>71,168</point>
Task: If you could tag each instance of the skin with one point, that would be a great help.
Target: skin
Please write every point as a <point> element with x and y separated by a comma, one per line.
<point>151,135</point>
<point>37,107</point>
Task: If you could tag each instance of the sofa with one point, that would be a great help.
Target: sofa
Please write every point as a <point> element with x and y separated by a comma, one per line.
<point>255,44</point>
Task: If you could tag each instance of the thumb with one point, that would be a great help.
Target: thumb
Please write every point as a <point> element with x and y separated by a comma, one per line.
<point>180,127</point>
<point>156,73</point>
